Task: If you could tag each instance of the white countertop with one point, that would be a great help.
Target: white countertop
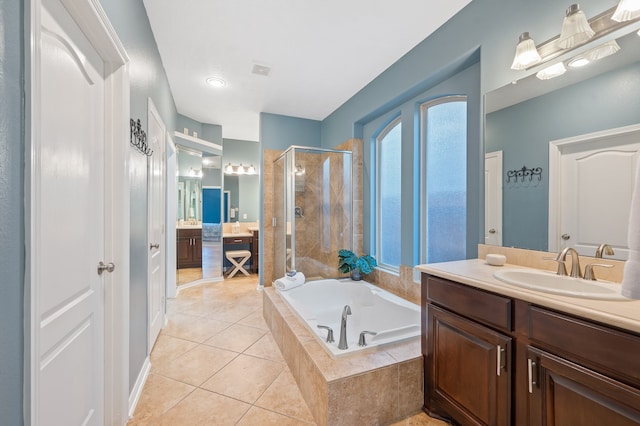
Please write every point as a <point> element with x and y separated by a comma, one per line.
<point>189,226</point>
<point>477,273</point>
<point>238,235</point>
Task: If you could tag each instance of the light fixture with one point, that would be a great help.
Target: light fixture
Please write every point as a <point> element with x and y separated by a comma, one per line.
<point>240,169</point>
<point>602,51</point>
<point>578,62</point>
<point>228,169</point>
<point>251,170</point>
<point>627,10</point>
<point>216,82</point>
<point>526,53</point>
<point>575,28</point>
<point>195,173</point>
<point>555,70</point>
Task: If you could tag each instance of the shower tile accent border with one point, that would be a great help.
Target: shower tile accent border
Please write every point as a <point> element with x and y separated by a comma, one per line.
<point>374,387</point>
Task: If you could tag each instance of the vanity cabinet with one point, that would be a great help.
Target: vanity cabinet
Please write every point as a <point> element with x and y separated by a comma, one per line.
<point>496,360</point>
<point>189,248</point>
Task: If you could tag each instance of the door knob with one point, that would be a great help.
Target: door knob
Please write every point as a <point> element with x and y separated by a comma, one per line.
<point>152,246</point>
<point>492,231</point>
<point>565,236</point>
<point>109,267</point>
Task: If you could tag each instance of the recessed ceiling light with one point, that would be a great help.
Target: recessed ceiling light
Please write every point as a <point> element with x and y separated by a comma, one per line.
<point>216,82</point>
<point>261,69</point>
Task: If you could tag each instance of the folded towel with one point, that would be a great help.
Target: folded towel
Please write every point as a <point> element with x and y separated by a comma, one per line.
<point>631,277</point>
<point>288,282</point>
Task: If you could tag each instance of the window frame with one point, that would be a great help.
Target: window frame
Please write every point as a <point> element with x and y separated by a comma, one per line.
<point>424,107</point>
<point>388,127</point>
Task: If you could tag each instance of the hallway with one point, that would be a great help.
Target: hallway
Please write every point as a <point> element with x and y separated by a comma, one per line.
<point>215,363</point>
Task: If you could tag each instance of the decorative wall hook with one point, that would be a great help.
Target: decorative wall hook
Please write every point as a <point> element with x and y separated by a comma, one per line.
<point>519,175</point>
<point>138,138</point>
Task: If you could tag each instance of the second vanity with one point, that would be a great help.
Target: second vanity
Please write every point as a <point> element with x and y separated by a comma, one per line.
<point>496,354</point>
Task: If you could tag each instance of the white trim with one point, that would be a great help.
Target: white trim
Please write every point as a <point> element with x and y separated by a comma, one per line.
<point>499,156</point>
<point>556,149</point>
<point>198,140</point>
<point>93,21</point>
<point>138,386</point>
<point>198,282</point>
<point>171,232</point>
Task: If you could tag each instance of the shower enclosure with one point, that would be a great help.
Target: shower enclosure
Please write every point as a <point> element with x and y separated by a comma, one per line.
<point>313,214</point>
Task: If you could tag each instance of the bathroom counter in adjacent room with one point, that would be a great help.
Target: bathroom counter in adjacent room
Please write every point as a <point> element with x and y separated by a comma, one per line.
<point>477,273</point>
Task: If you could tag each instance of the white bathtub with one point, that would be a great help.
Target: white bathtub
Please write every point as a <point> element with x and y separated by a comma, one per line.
<point>372,309</point>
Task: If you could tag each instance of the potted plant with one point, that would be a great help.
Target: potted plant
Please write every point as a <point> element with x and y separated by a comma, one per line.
<point>349,262</point>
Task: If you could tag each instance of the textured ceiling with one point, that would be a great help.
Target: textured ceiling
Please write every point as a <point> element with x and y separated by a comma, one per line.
<point>320,53</point>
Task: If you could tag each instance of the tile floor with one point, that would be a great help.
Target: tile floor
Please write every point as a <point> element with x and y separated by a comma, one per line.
<point>215,363</point>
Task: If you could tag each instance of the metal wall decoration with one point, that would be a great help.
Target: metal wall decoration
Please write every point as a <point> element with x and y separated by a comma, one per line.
<point>519,175</point>
<point>138,138</point>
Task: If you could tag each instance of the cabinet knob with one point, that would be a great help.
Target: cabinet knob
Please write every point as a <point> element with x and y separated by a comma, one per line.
<point>109,267</point>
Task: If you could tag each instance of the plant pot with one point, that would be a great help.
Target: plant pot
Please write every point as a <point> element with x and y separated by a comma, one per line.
<point>356,275</point>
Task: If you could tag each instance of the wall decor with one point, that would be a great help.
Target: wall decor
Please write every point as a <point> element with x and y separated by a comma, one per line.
<point>519,175</point>
<point>138,138</point>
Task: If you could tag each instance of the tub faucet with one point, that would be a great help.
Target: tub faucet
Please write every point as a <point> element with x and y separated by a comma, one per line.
<point>575,262</point>
<point>342,344</point>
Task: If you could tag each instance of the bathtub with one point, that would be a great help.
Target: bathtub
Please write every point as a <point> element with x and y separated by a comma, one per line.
<point>372,309</point>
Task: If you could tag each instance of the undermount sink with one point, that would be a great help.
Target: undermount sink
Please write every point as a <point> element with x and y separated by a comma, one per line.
<point>549,282</point>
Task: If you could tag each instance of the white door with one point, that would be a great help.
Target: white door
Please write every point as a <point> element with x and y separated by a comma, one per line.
<point>493,198</point>
<point>594,188</point>
<point>156,216</point>
<point>68,226</point>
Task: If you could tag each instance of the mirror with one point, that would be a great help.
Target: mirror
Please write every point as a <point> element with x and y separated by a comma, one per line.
<point>522,118</point>
<point>243,197</point>
<point>199,212</point>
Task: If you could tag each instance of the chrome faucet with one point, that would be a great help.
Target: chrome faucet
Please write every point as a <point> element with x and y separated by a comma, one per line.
<point>604,248</point>
<point>342,344</point>
<point>575,262</point>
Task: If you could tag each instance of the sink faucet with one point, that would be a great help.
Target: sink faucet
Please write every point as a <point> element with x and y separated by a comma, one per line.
<point>604,248</point>
<point>342,344</point>
<point>575,262</point>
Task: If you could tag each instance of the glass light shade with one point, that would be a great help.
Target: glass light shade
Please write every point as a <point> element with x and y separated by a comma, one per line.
<point>579,62</point>
<point>555,70</point>
<point>575,28</point>
<point>526,53</point>
<point>240,169</point>
<point>229,169</point>
<point>626,10</point>
<point>251,170</point>
<point>602,51</point>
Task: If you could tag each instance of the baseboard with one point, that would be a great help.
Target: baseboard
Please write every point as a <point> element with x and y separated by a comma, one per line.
<point>137,388</point>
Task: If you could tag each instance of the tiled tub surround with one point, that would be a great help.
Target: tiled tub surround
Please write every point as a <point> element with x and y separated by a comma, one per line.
<point>373,387</point>
<point>321,302</point>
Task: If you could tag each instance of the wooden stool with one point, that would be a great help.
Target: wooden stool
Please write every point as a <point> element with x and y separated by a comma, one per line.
<point>238,258</point>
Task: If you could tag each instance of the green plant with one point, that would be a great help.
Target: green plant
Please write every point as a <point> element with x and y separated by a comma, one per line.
<point>348,261</point>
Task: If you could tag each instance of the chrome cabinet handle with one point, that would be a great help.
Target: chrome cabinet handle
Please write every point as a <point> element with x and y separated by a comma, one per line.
<point>109,267</point>
<point>499,352</point>
<point>530,366</point>
<point>152,246</point>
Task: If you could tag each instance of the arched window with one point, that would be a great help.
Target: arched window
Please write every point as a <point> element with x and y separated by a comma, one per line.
<point>388,149</point>
<point>443,221</point>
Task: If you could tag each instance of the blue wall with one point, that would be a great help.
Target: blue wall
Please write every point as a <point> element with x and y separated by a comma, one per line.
<point>523,133</point>
<point>148,80</point>
<point>12,234</point>
<point>245,193</point>
<point>280,132</point>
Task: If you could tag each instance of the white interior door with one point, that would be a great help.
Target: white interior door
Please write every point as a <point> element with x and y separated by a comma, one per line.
<point>493,198</point>
<point>156,218</point>
<point>595,182</point>
<point>67,225</point>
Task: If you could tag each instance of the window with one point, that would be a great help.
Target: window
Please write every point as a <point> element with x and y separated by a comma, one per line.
<point>388,148</point>
<point>444,179</point>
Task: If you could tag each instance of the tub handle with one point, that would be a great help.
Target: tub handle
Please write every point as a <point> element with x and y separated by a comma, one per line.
<point>362,341</point>
<point>329,333</point>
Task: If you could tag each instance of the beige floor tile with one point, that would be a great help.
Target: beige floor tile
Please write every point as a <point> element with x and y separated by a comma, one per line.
<point>259,416</point>
<point>236,338</point>
<point>193,328</point>
<point>256,320</point>
<point>205,408</point>
<point>168,348</point>
<point>283,396</point>
<point>265,348</point>
<point>158,396</point>
<point>232,312</point>
<point>420,419</point>
<point>245,378</point>
<point>197,365</point>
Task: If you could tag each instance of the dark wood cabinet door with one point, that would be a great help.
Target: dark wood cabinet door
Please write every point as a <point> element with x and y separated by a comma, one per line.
<point>197,250</point>
<point>183,252</point>
<point>562,393</point>
<point>468,370</point>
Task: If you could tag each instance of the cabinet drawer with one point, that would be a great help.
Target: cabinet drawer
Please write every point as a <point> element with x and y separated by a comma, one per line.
<point>612,352</point>
<point>488,308</point>
<point>189,233</point>
<point>238,240</point>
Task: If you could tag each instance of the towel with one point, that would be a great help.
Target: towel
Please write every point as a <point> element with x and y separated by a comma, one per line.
<point>288,282</point>
<point>631,277</point>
